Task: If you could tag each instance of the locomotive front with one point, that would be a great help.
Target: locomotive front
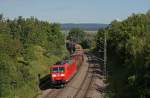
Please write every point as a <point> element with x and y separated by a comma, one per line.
<point>58,74</point>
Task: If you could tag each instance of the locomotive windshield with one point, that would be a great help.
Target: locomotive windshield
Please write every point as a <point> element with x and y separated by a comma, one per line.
<point>61,69</point>
<point>58,69</point>
<point>60,62</point>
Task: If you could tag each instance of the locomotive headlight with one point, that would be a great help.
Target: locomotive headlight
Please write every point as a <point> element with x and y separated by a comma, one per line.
<point>62,74</point>
<point>53,75</point>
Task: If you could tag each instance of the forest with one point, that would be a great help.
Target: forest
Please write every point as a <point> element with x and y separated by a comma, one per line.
<point>28,47</point>
<point>128,56</point>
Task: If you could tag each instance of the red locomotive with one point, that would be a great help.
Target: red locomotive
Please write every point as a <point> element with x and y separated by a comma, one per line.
<point>63,71</point>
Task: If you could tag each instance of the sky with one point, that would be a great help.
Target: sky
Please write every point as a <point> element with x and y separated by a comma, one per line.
<point>74,11</point>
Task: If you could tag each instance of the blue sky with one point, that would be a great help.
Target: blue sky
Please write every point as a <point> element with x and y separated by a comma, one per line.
<point>74,11</point>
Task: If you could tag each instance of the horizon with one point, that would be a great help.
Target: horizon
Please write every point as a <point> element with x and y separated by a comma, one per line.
<point>71,11</point>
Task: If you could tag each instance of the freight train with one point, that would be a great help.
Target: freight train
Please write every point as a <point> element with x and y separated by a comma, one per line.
<point>63,71</point>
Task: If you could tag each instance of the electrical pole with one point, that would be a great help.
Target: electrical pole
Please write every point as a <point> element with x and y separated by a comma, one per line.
<point>102,45</point>
<point>65,39</point>
<point>105,54</point>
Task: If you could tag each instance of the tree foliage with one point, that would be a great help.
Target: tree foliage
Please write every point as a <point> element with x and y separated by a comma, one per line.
<point>77,35</point>
<point>27,47</point>
<point>128,56</point>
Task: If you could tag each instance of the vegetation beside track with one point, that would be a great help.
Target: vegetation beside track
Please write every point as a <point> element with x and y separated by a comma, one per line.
<point>128,49</point>
<point>28,47</point>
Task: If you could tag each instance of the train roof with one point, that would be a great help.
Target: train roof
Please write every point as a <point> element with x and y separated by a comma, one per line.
<point>78,53</point>
<point>61,63</point>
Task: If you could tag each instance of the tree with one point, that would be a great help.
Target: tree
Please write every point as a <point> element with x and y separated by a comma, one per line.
<point>27,47</point>
<point>1,17</point>
<point>128,56</point>
<point>77,35</point>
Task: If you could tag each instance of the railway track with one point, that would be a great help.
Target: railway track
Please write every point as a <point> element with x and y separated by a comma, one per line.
<point>79,91</point>
<point>86,83</point>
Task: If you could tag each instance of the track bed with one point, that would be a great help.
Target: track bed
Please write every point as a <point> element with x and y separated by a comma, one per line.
<point>85,84</point>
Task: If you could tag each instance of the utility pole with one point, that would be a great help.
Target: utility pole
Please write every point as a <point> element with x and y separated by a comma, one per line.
<point>105,54</point>
<point>103,49</point>
<point>78,37</point>
<point>65,39</point>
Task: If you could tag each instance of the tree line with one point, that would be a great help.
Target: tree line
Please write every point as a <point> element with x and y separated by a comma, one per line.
<point>27,47</point>
<point>128,56</point>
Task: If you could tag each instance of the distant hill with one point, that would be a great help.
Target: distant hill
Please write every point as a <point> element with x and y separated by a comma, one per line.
<point>85,26</point>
